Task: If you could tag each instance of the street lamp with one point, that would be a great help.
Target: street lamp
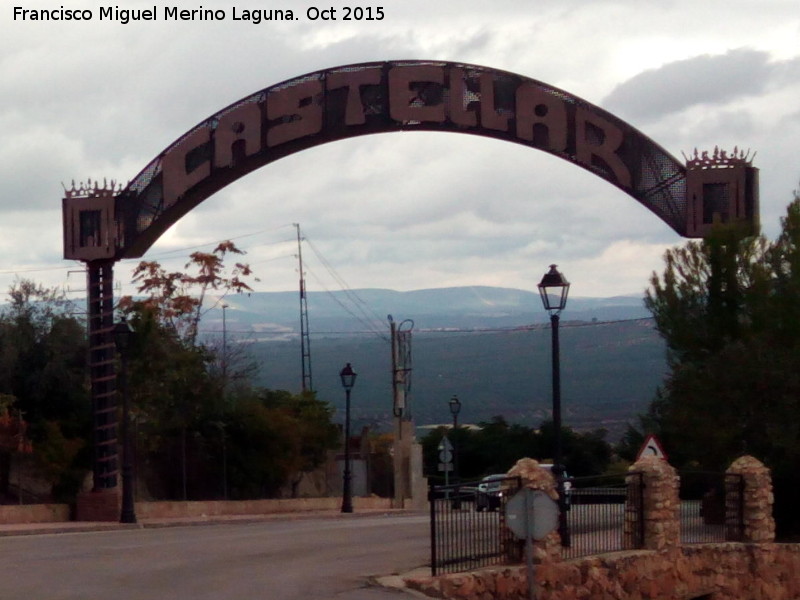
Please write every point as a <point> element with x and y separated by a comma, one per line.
<point>348,377</point>
<point>123,336</point>
<point>554,289</point>
<point>455,408</point>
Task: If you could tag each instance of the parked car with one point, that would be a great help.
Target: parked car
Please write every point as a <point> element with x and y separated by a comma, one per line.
<point>489,494</point>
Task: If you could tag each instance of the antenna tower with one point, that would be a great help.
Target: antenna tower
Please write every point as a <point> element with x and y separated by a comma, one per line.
<point>305,343</point>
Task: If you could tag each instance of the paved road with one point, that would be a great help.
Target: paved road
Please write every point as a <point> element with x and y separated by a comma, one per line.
<point>309,559</point>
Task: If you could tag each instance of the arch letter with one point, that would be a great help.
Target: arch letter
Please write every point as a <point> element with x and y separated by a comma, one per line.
<point>405,104</point>
<point>241,123</point>
<point>178,171</point>
<point>302,104</point>
<point>535,107</point>
<point>605,148</point>
<point>353,80</point>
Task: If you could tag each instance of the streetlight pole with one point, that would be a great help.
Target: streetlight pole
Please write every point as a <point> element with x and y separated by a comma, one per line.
<point>348,377</point>
<point>455,408</point>
<point>122,338</point>
<point>554,289</point>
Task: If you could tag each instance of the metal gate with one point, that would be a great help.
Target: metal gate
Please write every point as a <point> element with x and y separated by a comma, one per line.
<point>605,514</point>
<point>468,528</point>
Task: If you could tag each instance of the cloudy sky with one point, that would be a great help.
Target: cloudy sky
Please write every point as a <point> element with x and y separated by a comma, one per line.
<point>402,211</point>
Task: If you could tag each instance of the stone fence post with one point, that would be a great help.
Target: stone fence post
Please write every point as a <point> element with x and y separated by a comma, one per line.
<point>757,520</point>
<point>536,478</point>
<point>660,504</point>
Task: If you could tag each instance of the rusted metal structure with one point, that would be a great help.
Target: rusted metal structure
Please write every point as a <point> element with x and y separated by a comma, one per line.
<point>103,224</point>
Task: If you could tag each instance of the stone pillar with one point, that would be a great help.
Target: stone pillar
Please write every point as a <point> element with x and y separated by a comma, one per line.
<point>759,524</point>
<point>419,483</point>
<point>660,503</point>
<point>536,478</point>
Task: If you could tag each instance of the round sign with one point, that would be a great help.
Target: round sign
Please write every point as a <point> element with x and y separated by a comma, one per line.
<point>445,456</point>
<point>531,513</point>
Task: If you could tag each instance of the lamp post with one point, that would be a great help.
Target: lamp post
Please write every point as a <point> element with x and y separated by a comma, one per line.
<point>455,408</point>
<point>554,289</point>
<point>123,335</point>
<point>348,377</point>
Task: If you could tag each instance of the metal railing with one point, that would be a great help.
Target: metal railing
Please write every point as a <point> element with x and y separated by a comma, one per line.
<point>468,528</point>
<point>605,514</point>
<point>712,507</point>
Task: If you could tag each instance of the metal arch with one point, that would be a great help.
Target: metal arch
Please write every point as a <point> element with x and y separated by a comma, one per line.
<point>380,97</point>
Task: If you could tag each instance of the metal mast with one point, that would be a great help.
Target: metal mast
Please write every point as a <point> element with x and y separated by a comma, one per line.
<point>305,343</point>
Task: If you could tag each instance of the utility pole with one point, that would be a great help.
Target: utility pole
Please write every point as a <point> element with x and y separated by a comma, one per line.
<point>401,386</point>
<point>305,342</point>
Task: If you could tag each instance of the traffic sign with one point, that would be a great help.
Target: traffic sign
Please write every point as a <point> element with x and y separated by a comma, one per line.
<point>445,444</point>
<point>651,447</point>
<point>531,513</point>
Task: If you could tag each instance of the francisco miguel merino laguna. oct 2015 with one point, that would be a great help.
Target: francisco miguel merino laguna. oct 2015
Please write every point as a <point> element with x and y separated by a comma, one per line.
<point>166,13</point>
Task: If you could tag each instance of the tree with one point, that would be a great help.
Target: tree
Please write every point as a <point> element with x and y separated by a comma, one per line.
<point>497,445</point>
<point>43,381</point>
<point>729,310</point>
<point>178,297</point>
<point>172,384</point>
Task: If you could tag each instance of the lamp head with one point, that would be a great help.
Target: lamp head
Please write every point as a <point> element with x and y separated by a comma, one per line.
<point>554,289</point>
<point>348,377</point>
<point>455,405</point>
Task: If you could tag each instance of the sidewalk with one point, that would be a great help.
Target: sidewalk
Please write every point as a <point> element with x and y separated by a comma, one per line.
<point>16,529</point>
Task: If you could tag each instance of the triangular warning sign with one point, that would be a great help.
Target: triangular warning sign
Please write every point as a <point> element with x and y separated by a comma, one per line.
<point>651,447</point>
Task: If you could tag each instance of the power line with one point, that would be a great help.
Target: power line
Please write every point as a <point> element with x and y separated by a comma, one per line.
<point>360,319</point>
<point>350,294</point>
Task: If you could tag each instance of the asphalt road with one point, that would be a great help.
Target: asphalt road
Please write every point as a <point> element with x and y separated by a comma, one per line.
<point>308,559</point>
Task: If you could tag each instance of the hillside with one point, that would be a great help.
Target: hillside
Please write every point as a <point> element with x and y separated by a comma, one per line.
<point>275,315</point>
<point>612,359</point>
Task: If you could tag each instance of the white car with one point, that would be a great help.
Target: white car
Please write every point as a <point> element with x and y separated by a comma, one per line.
<point>490,492</point>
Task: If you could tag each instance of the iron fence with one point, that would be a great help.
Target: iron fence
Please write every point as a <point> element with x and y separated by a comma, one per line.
<point>712,506</point>
<point>468,528</point>
<point>605,514</point>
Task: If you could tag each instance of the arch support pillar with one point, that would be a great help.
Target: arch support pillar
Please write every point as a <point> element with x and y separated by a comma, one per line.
<point>102,502</point>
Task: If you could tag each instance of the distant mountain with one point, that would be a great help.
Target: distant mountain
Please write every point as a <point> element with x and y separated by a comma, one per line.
<point>276,314</point>
<point>471,341</point>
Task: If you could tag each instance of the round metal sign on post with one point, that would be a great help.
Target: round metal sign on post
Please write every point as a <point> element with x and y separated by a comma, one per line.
<point>531,513</point>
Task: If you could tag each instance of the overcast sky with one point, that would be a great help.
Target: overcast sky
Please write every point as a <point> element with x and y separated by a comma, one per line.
<point>403,210</point>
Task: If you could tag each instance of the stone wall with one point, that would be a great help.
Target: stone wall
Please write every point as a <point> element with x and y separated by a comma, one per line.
<point>728,571</point>
<point>177,509</point>
<point>34,513</point>
<point>109,509</point>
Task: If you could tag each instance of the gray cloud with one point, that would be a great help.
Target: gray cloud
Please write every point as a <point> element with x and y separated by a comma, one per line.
<point>706,79</point>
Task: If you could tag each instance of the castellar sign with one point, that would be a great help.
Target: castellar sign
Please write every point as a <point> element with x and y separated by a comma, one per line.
<point>382,97</point>
<point>412,95</point>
